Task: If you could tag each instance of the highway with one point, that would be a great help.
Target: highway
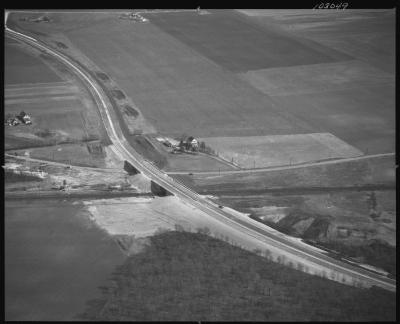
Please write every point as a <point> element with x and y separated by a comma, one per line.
<point>126,152</point>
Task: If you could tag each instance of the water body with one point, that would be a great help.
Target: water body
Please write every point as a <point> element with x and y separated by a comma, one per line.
<point>55,260</point>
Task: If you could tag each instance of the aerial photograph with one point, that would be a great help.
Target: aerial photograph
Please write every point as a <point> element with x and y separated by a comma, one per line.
<point>200,164</point>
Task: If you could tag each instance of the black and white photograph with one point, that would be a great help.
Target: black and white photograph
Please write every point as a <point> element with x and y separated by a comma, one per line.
<point>200,164</point>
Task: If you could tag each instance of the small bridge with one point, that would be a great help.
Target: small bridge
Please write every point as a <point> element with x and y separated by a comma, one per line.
<point>156,189</point>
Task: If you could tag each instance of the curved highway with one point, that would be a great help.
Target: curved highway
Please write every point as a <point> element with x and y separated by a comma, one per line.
<point>190,197</point>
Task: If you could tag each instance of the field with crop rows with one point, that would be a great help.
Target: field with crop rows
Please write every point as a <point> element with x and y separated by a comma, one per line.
<point>60,109</point>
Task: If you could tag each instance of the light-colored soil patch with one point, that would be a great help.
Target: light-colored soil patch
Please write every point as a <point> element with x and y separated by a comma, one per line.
<point>270,213</point>
<point>142,217</point>
<point>301,226</point>
<point>129,217</point>
<point>112,159</point>
<point>141,182</point>
<point>265,151</point>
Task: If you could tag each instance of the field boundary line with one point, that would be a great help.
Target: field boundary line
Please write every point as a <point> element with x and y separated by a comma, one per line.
<point>288,167</point>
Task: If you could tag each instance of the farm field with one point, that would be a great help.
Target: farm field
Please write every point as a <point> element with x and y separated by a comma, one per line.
<point>274,150</point>
<point>60,109</point>
<point>237,45</point>
<point>353,99</point>
<point>363,117</point>
<point>367,35</point>
<point>316,78</point>
<point>20,67</point>
<point>202,75</point>
<point>176,89</point>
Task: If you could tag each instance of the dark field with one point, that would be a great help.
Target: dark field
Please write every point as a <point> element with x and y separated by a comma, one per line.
<point>54,260</point>
<point>368,35</point>
<point>237,45</point>
<point>362,116</point>
<point>192,277</point>
<point>20,67</point>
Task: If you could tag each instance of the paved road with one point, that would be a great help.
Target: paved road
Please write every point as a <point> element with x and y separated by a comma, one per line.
<point>126,152</point>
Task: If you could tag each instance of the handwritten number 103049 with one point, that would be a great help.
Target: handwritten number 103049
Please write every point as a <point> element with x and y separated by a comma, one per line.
<point>327,5</point>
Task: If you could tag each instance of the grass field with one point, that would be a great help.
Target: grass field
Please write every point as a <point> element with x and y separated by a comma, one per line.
<point>192,277</point>
<point>265,151</point>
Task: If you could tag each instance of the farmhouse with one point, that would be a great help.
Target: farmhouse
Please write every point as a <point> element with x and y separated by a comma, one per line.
<point>24,117</point>
<point>195,144</point>
<point>18,119</point>
<point>12,121</point>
